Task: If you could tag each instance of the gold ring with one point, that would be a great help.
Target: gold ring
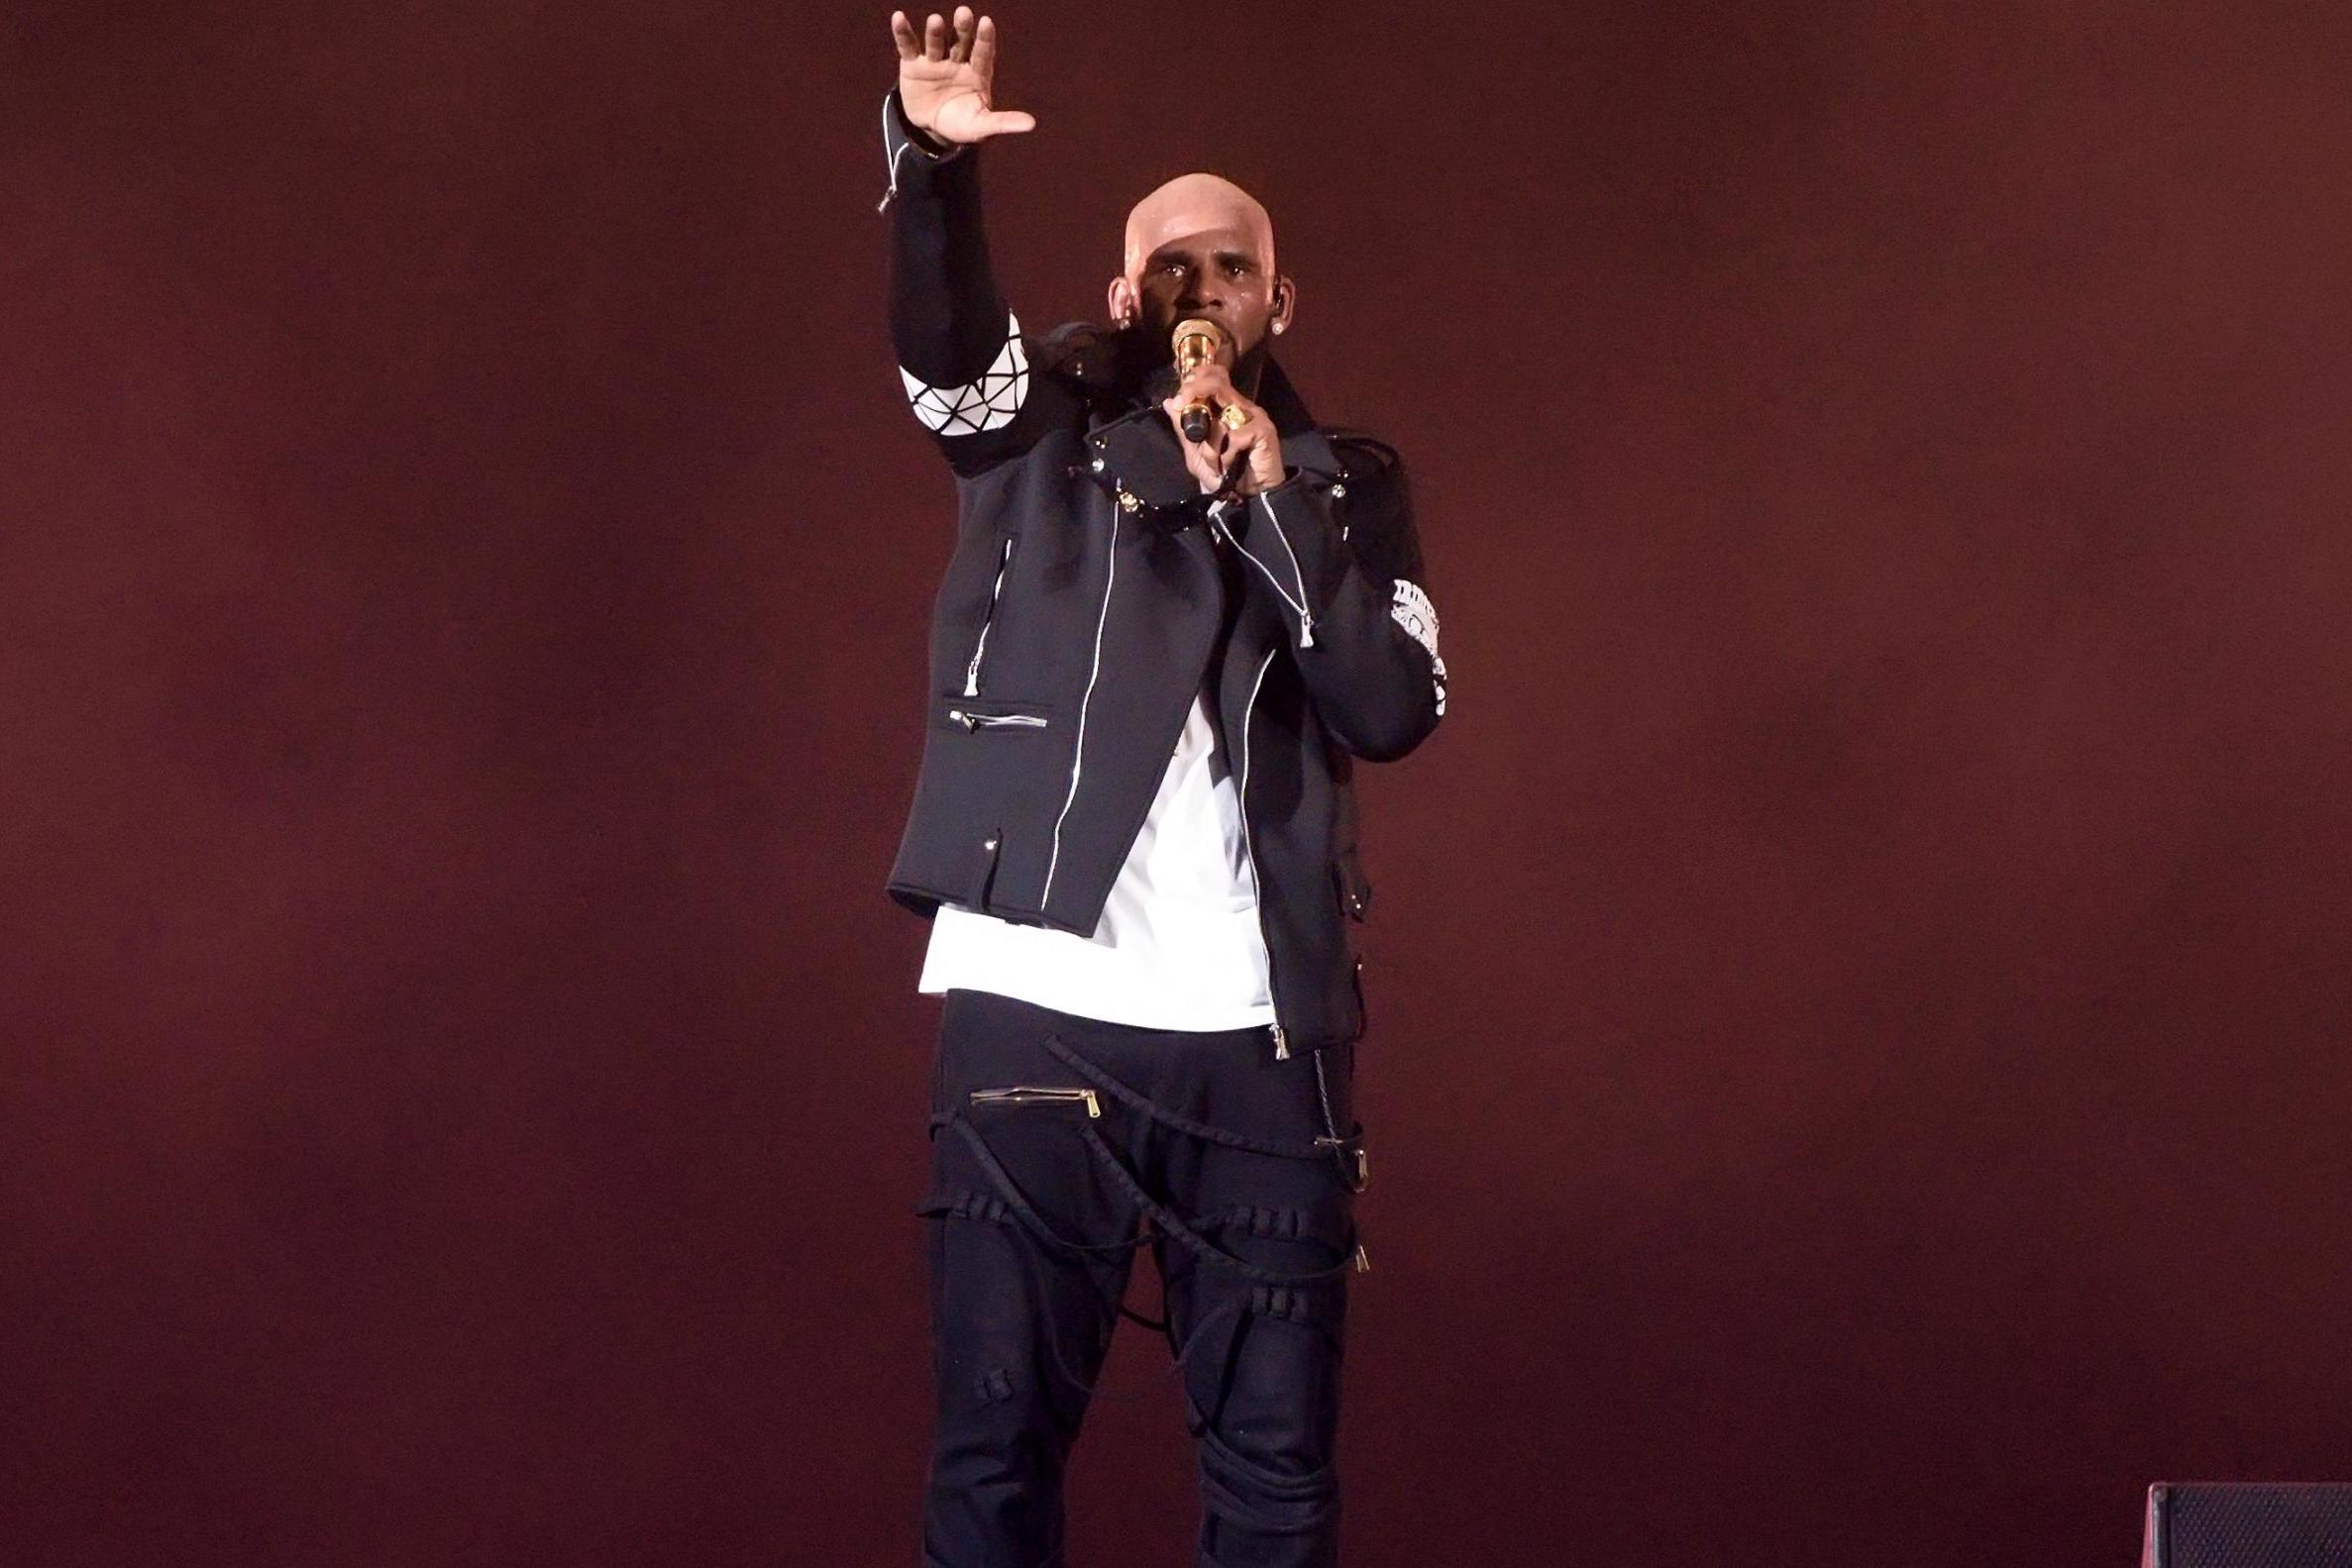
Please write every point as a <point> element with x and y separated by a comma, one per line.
<point>1234,416</point>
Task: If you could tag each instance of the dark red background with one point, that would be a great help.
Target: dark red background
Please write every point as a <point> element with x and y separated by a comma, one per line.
<point>1858,1072</point>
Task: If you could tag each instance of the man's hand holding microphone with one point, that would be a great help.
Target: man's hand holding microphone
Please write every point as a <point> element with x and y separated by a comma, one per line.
<point>1230,445</point>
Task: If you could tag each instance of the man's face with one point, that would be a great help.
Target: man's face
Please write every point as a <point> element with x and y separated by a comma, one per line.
<point>1220,274</point>
<point>1201,246</point>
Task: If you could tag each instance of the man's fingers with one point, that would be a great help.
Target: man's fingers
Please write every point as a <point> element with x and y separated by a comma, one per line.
<point>1210,382</point>
<point>1209,378</point>
<point>984,49</point>
<point>935,36</point>
<point>1205,461</point>
<point>961,48</point>
<point>1001,122</point>
<point>902,33</point>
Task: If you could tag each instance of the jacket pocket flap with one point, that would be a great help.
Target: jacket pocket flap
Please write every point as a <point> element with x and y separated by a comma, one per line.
<point>1140,456</point>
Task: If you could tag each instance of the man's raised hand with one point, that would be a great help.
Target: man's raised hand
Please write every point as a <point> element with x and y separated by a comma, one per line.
<point>946,78</point>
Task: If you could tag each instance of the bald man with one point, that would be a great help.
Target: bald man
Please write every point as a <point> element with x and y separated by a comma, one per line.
<point>1154,660</point>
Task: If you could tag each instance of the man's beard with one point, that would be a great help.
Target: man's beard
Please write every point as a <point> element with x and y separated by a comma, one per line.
<point>1144,364</point>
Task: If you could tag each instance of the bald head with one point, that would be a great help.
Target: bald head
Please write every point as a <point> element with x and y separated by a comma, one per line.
<point>1198,205</point>
<point>1202,246</point>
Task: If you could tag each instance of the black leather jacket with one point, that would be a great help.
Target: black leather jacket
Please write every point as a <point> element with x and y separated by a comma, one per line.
<point>1086,601</point>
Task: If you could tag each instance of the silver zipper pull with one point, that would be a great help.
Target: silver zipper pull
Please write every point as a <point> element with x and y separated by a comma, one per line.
<point>1018,721</point>
<point>1281,1045</point>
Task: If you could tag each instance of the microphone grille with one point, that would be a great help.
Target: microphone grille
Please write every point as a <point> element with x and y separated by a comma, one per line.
<point>1206,337</point>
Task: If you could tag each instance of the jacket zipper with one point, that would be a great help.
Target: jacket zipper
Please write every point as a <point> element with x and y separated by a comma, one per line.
<point>972,670</point>
<point>1306,620</point>
<point>1298,573</point>
<point>1249,849</point>
<point>897,154</point>
<point>1026,1094</point>
<point>1053,858</point>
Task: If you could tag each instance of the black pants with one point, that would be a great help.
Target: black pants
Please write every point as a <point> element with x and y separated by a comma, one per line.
<point>1238,1169</point>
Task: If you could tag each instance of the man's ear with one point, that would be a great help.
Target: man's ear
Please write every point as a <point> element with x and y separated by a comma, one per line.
<point>1286,300</point>
<point>1122,303</point>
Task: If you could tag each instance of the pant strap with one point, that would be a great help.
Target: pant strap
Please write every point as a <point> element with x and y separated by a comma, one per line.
<point>1185,1125</point>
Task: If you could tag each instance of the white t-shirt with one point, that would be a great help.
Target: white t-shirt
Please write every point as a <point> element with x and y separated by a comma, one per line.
<point>1178,946</point>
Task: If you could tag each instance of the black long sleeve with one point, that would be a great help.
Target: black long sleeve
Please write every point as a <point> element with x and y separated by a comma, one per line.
<point>961,353</point>
<point>1363,628</point>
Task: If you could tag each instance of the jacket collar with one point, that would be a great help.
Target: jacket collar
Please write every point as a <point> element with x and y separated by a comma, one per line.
<point>1135,457</point>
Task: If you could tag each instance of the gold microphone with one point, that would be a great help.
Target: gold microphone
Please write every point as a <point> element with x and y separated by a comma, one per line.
<point>1197,340</point>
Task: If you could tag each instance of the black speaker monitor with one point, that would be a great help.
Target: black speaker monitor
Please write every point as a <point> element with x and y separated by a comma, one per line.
<point>2248,1524</point>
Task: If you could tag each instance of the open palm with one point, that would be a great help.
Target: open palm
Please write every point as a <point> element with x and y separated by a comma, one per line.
<point>947,75</point>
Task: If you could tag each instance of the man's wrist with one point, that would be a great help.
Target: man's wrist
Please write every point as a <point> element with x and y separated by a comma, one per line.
<point>923,140</point>
<point>926,143</point>
<point>1288,477</point>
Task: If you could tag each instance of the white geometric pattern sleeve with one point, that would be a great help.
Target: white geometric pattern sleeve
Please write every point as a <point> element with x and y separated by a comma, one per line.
<point>1413,611</point>
<point>977,405</point>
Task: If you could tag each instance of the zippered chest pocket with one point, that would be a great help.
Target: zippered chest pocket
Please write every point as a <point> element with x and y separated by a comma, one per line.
<point>972,715</point>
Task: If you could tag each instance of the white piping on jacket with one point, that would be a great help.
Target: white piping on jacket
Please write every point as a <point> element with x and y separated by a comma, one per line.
<point>972,670</point>
<point>1306,620</point>
<point>898,152</point>
<point>1078,751</point>
<point>1249,849</point>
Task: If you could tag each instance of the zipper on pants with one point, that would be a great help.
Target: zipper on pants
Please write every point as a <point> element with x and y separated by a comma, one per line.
<point>1031,1094</point>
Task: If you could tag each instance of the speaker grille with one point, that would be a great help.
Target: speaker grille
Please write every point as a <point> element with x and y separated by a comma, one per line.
<point>2249,1525</point>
